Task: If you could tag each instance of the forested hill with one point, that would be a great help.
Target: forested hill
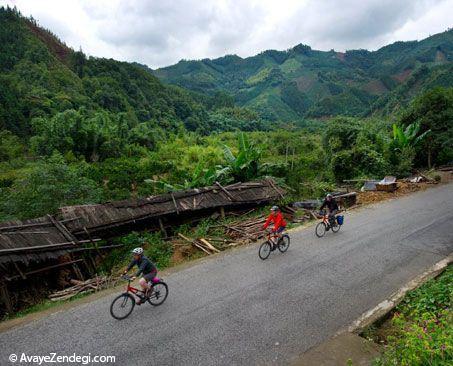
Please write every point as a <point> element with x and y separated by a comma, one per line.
<point>302,82</point>
<point>105,103</point>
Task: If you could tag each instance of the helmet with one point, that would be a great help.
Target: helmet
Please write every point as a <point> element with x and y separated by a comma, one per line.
<point>137,251</point>
<point>274,208</point>
<point>329,196</point>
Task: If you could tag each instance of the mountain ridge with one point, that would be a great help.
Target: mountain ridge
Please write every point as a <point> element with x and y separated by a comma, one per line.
<point>302,82</point>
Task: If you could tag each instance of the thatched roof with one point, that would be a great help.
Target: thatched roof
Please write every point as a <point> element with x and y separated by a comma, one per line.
<point>33,240</point>
<point>172,207</point>
<point>49,237</point>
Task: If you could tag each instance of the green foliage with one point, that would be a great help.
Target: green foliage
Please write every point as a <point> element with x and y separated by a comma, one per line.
<point>422,331</point>
<point>301,82</point>
<point>409,136</point>
<point>243,166</point>
<point>95,107</point>
<point>155,248</point>
<point>432,114</point>
<point>49,185</point>
<point>117,132</point>
<point>356,149</point>
<point>10,146</point>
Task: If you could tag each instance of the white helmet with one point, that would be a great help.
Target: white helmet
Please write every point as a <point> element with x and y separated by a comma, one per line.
<point>137,251</point>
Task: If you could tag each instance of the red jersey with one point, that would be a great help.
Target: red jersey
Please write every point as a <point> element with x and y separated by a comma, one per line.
<point>277,219</point>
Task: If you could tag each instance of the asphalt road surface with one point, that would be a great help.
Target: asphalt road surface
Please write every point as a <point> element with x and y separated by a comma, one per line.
<point>235,309</point>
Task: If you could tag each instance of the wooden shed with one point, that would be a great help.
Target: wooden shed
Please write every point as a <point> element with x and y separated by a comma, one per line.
<point>44,245</point>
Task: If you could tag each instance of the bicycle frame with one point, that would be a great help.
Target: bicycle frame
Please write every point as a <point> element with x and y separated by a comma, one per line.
<point>135,290</point>
<point>132,289</point>
<point>271,236</point>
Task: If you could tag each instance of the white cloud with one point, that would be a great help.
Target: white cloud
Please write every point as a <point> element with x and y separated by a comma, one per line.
<point>159,33</point>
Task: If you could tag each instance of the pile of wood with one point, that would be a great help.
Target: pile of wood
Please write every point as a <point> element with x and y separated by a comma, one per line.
<point>202,244</point>
<point>250,229</point>
<point>91,285</point>
<point>243,230</point>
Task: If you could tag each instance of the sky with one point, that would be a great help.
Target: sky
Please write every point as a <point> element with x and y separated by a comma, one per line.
<point>162,32</point>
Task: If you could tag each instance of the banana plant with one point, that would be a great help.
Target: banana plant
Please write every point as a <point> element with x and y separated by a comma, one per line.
<point>244,165</point>
<point>201,177</point>
<point>408,137</point>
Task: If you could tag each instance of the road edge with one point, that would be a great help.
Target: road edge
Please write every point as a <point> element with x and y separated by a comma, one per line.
<point>384,307</point>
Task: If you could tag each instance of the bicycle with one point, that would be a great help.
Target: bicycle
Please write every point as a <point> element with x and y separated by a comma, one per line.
<point>271,244</point>
<point>122,306</point>
<point>325,225</point>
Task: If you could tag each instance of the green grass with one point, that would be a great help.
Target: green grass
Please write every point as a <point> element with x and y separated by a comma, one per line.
<point>420,331</point>
<point>42,306</point>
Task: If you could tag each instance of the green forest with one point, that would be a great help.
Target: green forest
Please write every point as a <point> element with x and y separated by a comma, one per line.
<point>77,129</point>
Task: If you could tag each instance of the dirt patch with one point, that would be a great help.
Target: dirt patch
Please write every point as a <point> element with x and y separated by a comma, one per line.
<point>402,76</point>
<point>375,87</point>
<point>440,57</point>
<point>181,253</point>
<point>364,198</point>
<point>305,83</point>
<point>341,56</point>
<point>59,49</point>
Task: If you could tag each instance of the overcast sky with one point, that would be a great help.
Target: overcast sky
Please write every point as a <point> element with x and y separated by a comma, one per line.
<point>161,32</point>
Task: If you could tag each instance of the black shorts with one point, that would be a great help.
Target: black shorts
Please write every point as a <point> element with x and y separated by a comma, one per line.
<point>280,229</point>
<point>150,276</point>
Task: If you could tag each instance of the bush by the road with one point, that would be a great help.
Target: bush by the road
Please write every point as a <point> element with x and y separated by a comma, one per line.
<point>421,328</point>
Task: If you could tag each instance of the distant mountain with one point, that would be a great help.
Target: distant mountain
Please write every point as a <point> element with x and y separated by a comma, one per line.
<point>41,77</point>
<point>302,82</point>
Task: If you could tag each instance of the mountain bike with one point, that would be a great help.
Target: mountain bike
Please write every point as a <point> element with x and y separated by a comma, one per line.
<point>326,225</point>
<point>273,242</point>
<point>123,304</point>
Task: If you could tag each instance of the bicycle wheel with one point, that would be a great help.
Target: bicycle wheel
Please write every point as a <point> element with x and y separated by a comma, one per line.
<point>283,244</point>
<point>159,295</point>
<point>122,306</point>
<point>265,250</point>
<point>320,230</point>
<point>336,228</point>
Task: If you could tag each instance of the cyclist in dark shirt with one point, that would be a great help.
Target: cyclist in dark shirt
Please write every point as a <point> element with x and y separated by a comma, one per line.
<point>332,205</point>
<point>146,268</point>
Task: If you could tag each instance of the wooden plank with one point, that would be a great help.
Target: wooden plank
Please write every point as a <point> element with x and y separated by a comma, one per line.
<point>13,227</point>
<point>25,232</point>
<point>174,202</point>
<point>228,194</point>
<point>20,272</point>
<point>239,231</point>
<point>44,269</point>
<point>42,247</point>
<point>275,188</point>
<point>209,245</point>
<point>62,229</point>
<point>193,242</point>
<point>162,227</point>
<point>5,298</point>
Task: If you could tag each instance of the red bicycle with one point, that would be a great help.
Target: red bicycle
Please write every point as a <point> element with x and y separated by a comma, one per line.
<point>123,304</point>
<point>273,242</point>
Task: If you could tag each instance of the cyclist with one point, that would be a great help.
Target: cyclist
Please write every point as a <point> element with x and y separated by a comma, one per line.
<point>332,205</point>
<point>146,268</point>
<point>276,217</point>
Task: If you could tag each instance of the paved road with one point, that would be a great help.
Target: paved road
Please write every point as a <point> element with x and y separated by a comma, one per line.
<point>234,309</point>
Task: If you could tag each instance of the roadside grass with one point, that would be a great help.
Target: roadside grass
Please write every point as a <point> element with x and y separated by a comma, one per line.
<point>420,329</point>
<point>42,306</point>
